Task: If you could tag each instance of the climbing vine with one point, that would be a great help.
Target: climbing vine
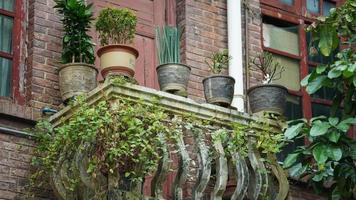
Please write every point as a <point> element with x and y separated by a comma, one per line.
<point>328,161</point>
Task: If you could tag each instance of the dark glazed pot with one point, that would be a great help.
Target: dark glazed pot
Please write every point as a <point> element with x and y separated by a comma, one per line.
<point>219,90</point>
<point>173,78</point>
<point>268,98</point>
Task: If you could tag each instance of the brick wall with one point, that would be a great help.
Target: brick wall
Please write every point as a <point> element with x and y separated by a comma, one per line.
<point>15,158</point>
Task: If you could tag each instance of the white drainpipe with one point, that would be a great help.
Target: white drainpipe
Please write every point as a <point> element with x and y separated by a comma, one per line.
<point>235,50</point>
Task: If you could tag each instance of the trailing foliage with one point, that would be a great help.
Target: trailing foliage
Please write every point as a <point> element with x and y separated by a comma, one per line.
<point>329,159</point>
<point>271,69</point>
<point>116,26</point>
<point>168,44</point>
<point>268,140</point>
<point>218,61</point>
<point>120,138</point>
<point>77,44</point>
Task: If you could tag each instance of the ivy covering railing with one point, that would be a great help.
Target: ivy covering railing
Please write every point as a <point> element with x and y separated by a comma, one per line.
<point>104,145</point>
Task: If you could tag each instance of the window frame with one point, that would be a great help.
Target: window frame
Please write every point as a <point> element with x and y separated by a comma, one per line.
<point>18,15</point>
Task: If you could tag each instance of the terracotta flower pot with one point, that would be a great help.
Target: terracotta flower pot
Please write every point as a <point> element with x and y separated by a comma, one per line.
<point>76,78</point>
<point>173,78</point>
<point>118,59</point>
<point>268,98</point>
<point>219,90</point>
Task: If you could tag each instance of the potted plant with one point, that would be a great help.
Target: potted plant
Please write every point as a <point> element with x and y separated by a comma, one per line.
<point>268,97</point>
<point>173,76</point>
<point>218,88</point>
<point>77,74</point>
<point>116,28</point>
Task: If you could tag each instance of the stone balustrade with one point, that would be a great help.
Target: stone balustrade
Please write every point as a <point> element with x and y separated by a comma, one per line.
<point>202,169</point>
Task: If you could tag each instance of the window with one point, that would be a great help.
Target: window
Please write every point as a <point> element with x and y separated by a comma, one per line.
<point>283,35</point>
<point>10,28</point>
<point>6,26</point>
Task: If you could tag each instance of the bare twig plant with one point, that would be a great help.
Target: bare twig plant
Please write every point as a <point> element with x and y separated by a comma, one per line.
<point>271,69</point>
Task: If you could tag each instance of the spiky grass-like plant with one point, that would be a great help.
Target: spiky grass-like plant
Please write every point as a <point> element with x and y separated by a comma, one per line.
<point>168,44</point>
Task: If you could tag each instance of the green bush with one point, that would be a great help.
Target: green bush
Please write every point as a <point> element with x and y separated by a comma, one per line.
<point>116,26</point>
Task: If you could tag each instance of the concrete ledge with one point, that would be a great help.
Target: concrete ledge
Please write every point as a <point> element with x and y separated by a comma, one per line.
<point>170,102</point>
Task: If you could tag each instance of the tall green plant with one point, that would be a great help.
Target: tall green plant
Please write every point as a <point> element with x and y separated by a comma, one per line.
<point>330,157</point>
<point>116,26</point>
<point>168,44</point>
<point>77,44</point>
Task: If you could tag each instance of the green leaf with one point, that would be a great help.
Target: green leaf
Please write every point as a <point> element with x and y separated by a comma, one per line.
<point>318,177</point>
<point>320,69</point>
<point>297,170</point>
<point>334,136</point>
<point>336,195</point>
<point>345,124</point>
<point>334,73</point>
<point>316,84</point>
<point>326,40</point>
<point>305,80</point>
<point>334,153</point>
<point>290,160</point>
<point>320,153</point>
<point>333,121</point>
<point>293,131</point>
<point>319,128</point>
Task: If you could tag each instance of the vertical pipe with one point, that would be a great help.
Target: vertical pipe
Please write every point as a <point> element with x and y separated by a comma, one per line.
<point>235,50</point>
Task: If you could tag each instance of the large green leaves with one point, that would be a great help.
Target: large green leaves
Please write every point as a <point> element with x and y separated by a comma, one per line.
<point>293,131</point>
<point>315,84</point>
<point>328,40</point>
<point>320,153</point>
<point>319,128</point>
<point>290,160</point>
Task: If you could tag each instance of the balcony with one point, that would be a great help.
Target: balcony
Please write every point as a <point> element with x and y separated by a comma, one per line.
<point>194,166</point>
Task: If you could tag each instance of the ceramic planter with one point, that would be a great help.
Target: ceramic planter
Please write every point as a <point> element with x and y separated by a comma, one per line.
<point>118,60</point>
<point>75,79</point>
<point>219,90</point>
<point>173,78</point>
<point>267,98</point>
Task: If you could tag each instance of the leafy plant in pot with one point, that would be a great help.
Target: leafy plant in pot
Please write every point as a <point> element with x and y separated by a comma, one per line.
<point>218,88</point>
<point>77,74</point>
<point>268,97</point>
<point>116,28</point>
<point>173,76</point>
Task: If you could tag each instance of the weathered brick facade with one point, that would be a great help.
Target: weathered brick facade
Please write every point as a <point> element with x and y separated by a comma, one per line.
<point>204,25</point>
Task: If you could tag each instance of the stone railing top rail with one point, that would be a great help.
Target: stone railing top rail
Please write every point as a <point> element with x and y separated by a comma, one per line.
<point>172,103</point>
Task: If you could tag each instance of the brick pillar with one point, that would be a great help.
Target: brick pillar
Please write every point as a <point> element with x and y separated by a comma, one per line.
<point>204,28</point>
<point>44,53</point>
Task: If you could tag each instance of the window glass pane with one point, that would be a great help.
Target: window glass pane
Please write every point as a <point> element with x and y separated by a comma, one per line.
<point>289,2</point>
<point>313,6</point>
<point>5,76</point>
<point>320,109</point>
<point>6,24</point>
<point>314,54</point>
<point>327,5</point>
<point>281,36</point>
<point>294,108</point>
<point>7,5</point>
<point>290,77</point>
